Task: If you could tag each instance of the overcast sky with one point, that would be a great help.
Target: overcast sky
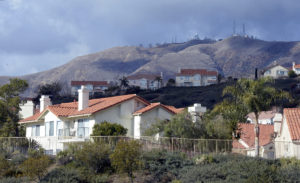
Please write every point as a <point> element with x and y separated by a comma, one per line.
<point>37,35</point>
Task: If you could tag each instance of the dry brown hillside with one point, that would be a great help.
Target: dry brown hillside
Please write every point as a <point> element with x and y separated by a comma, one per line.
<point>234,56</point>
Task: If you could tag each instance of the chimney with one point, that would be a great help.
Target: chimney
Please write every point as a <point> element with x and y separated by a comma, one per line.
<point>294,65</point>
<point>44,102</point>
<point>196,111</point>
<point>83,98</point>
<point>277,123</point>
<point>179,70</point>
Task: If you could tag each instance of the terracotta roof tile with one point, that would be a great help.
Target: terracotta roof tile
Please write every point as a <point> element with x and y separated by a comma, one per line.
<point>171,109</point>
<point>247,135</point>
<point>71,109</point>
<point>191,72</point>
<point>292,116</point>
<point>297,66</point>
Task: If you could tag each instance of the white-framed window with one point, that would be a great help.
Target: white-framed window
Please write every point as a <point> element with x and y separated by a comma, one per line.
<point>49,127</point>
<point>83,128</point>
<point>35,131</point>
<point>60,128</point>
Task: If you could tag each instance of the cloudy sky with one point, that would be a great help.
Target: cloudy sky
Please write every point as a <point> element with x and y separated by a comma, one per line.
<point>37,35</point>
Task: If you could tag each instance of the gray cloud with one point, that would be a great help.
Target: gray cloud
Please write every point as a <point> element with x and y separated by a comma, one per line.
<point>39,35</point>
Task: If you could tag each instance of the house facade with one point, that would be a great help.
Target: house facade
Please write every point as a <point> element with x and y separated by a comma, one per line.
<point>265,117</point>
<point>276,71</point>
<point>145,81</point>
<point>287,141</point>
<point>296,68</point>
<point>195,77</point>
<point>245,143</point>
<point>92,86</point>
<point>55,126</point>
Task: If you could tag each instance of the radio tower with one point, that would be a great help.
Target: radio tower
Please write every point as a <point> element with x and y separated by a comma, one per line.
<point>234,33</point>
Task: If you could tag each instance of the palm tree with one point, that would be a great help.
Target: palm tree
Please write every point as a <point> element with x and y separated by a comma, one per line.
<point>159,81</point>
<point>256,96</point>
<point>123,82</point>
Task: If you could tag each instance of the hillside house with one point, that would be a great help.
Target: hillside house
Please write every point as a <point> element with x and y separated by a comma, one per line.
<point>296,68</point>
<point>287,141</point>
<point>275,71</point>
<point>196,77</point>
<point>54,126</point>
<point>245,143</point>
<point>92,86</point>
<point>145,81</point>
<point>265,117</point>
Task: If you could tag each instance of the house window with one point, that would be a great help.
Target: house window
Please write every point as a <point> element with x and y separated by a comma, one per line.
<point>83,128</point>
<point>35,131</point>
<point>60,128</point>
<point>49,128</point>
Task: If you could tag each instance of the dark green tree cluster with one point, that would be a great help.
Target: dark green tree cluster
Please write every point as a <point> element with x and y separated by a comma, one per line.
<point>108,129</point>
<point>10,106</point>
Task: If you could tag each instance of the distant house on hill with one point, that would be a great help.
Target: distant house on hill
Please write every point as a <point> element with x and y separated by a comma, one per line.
<point>265,117</point>
<point>245,144</point>
<point>92,86</point>
<point>55,126</point>
<point>296,68</point>
<point>275,71</point>
<point>196,77</point>
<point>287,142</point>
<point>145,81</point>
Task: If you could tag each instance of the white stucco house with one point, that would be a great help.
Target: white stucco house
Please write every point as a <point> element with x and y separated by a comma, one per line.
<point>275,71</point>
<point>287,141</point>
<point>296,68</point>
<point>265,117</point>
<point>195,77</point>
<point>145,81</point>
<point>57,125</point>
<point>92,86</point>
<point>245,143</point>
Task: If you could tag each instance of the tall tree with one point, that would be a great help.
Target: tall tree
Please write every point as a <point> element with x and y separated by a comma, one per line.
<point>123,82</point>
<point>10,106</point>
<point>159,81</point>
<point>256,96</point>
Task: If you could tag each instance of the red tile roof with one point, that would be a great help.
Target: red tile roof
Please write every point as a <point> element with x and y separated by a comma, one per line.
<point>171,109</point>
<point>141,76</point>
<point>94,83</point>
<point>191,72</point>
<point>292,116</point>
<point>247,135</point>
<point>95,105</point>
<point>297,66</point>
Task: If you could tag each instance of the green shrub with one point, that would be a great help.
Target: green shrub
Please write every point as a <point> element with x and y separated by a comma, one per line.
<point>14,180</point>
<point>292,74</point>
<point>62,175</point>
<point>94,157</point>
<point>164,166</point>
<point>126,157</point>
<point>108,129</point>
<point>36,167</point>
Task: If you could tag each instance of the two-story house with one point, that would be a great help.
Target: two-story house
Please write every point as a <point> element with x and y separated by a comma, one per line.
<point>145,81</point>
<point>196,77</point>
<point>55,126</point>
<point>92,86</point>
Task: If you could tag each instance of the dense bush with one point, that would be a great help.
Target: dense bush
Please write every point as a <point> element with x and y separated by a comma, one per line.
<point>94,157</point>
<point>108,129</point>
<point>62,175</point>
<point>233,168</point>
<point>164,166</point>
<point>36,167</point>
<point>126,157</point>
